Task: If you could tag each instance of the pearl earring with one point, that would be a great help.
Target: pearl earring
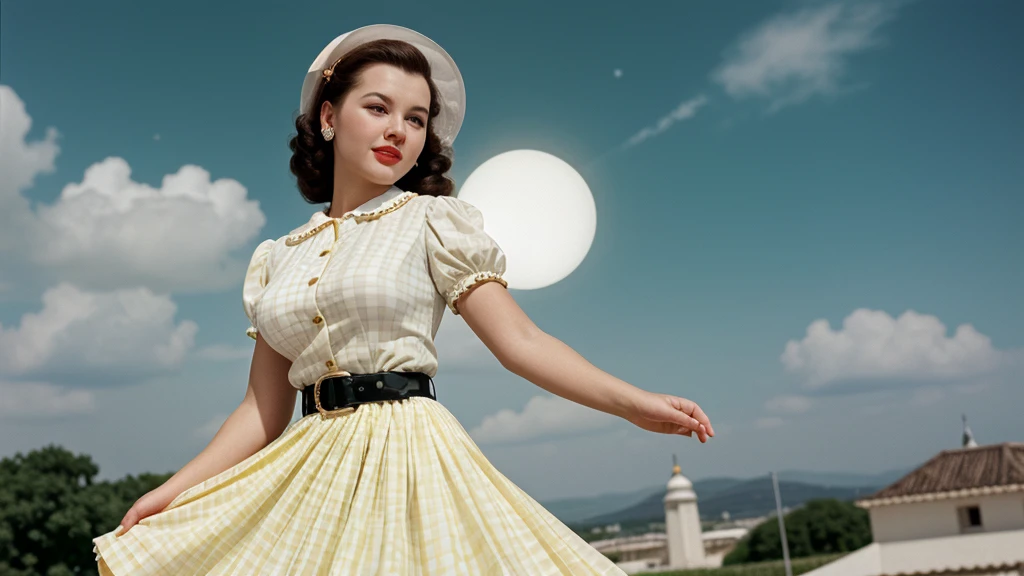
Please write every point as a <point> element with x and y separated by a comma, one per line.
<point>328,133</point>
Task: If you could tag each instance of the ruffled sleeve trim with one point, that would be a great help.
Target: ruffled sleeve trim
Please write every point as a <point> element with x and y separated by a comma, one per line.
<point>460,254</point>
<point>256,278</point>
<point>468,283</point>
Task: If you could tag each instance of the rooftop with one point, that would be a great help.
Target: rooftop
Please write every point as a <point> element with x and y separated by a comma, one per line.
<point>977,470</point>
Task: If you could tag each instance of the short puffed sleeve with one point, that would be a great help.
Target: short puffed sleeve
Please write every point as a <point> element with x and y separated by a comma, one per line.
<point>256,278</point>
<point>460,254</point>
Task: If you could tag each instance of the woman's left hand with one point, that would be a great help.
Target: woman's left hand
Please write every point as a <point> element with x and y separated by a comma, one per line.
<point>666,414</point>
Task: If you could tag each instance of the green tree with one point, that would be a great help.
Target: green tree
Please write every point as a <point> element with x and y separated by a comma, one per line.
<point>51,508</point>
<point>824,526</point>
<point>737,555</point>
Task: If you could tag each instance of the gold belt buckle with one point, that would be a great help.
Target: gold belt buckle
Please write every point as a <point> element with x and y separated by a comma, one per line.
<point>325,414</point>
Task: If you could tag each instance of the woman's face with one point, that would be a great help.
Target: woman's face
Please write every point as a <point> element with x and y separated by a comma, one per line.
<point>387,107</point>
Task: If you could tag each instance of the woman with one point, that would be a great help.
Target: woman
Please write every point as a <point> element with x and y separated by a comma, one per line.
<point>377,477</point>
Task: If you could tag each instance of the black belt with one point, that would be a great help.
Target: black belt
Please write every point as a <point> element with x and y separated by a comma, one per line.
<point>341,393</point>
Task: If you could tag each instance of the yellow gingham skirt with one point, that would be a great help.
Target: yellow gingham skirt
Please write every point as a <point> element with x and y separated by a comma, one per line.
<point>396,488</point>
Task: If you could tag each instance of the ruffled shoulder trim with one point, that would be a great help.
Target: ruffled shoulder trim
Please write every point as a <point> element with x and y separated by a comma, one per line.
<point>460,253</point>
<point>257,276</point>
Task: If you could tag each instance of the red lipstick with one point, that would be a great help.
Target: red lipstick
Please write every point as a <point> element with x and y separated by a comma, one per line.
<point>388,155</point>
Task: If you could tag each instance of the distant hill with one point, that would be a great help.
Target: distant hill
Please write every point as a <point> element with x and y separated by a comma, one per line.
<point>756,497</point>
<point>571,510</point>
<point>708,487</point>
<point>741,498</point>
<point>848,480</point>
<point>575,509</point>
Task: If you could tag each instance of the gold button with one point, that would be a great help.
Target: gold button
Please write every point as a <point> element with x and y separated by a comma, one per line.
<point>318,319</point>
<point>313,281</point>
<point>330,363</point>
<point>325,252</point>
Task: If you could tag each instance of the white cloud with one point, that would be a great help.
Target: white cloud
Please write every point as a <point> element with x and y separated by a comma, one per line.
<point>872,345</point>
<point>789,404</point>
<point>109,231</point>
<point>768,423</point>
<point>792,57</point>
<point>20,162</point>
<point>96,338</point>
<point>684,111</point>
<point>542,416</point>
<point>32,399</point>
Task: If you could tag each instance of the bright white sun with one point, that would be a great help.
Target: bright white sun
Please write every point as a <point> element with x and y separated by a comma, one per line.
<point>539,210</point>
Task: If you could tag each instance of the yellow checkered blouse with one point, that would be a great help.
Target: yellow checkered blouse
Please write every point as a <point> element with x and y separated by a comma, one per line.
<point>366,292</point>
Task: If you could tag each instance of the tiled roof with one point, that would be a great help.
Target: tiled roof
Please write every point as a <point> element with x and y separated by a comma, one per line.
<point>963,471</point>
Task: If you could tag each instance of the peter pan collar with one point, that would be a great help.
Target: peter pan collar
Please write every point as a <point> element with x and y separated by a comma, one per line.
<point>372,209</point>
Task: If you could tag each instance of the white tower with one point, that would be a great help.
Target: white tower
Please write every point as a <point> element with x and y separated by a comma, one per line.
<point>682,522</point>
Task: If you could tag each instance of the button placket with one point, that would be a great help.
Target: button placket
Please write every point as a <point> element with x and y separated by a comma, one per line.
<point>319,319</point>
<point>325,253</point>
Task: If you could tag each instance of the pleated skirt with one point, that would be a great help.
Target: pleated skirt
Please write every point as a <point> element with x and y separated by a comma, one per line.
<point>396,488</point>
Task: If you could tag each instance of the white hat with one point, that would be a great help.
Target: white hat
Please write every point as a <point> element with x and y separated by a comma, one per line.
<point>443,71</point>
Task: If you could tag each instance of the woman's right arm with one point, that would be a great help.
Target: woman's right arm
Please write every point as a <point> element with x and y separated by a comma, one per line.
<point>264,413</point>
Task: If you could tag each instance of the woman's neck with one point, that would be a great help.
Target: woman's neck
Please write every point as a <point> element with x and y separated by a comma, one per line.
<point>351,193</point>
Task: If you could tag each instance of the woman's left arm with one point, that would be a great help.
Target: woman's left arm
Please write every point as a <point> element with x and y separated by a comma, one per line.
<point>529,352</point>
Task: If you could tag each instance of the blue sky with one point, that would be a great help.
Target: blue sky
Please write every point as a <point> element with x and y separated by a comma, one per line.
<point>759,169</point>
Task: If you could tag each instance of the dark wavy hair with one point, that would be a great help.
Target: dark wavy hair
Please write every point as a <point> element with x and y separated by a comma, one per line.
<point>312,160</point>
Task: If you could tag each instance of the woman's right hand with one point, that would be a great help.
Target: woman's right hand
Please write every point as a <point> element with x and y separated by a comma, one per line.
<point>150,503</point>
<point>667,414</point>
